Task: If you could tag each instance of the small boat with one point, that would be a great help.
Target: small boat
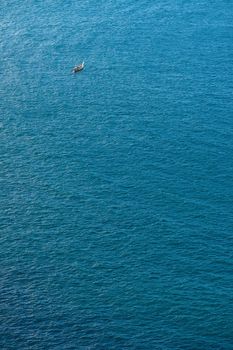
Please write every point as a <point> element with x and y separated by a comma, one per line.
<point>78,68</point>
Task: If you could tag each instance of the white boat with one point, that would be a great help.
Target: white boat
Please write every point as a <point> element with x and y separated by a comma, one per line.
<point>78,68</point>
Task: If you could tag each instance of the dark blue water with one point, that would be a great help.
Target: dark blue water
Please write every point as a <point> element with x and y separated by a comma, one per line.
<point>116,207</point>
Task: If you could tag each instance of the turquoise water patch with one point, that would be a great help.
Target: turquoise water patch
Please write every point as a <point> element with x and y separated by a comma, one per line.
<point>116,183</point>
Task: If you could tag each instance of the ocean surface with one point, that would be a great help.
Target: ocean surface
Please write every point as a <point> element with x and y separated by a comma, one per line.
<point>116,184</point>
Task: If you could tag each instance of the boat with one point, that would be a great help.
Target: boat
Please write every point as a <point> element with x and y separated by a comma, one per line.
<point>78,68</point>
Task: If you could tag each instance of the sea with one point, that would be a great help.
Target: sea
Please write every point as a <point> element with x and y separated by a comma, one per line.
<point>116,183</point>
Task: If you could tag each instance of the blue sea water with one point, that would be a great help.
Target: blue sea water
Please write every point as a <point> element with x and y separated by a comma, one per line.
<point>116,209</point>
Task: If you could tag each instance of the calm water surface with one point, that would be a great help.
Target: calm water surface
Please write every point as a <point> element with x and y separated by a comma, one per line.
<point>116,208</point>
